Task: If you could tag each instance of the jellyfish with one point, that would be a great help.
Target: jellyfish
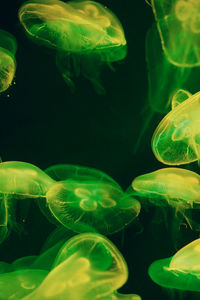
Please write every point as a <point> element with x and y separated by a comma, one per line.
<point>179,96</point>
<point>87,267</point>
<point>61,172</point>
<point>164,80</point>
<point>176,140</point>
<point>91,205</point>
<point>84,34</point>
<point>19,180</point>
<point>181,271</point>
<point>8,48</point>
<point>18,284</point>
<point>84,199</point>
<point>171,190</point>
<point>179,28</point>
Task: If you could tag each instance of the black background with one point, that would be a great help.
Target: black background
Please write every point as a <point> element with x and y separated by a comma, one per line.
<point>42,123</point>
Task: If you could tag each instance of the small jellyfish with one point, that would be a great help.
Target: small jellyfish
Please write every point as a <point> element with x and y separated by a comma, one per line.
<point>19,180</point>
<point>8,48</point>
<point>84,34</point>
<point>171,190</point>
<point>176,140</point>
<point>87,267</point>
<point>181,271</point>
<point>180,96</point>
<point>179,27</point>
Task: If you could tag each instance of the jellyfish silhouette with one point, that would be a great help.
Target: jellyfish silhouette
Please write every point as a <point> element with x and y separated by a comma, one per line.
<point>179,28</point>
<point>19,180</point>
<point>180,271</point>
<point>176,140</point>
<point>8,48</point>
<point>84,34</point>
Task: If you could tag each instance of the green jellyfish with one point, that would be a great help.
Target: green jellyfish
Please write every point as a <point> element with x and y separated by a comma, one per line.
<point>91,206</point>
<point>8,48</point>
<point>19,180</point>
<point>18,284</point>
<point>87,200</point>
<point>180,271</point>
<point>61,172</point>
<point>176,140</point>
<point>87,267</point>
<point>173,191</point>
<point>179,28</point>
<point>164,79</point>
<point>84,34</point>
<point>179,96</point>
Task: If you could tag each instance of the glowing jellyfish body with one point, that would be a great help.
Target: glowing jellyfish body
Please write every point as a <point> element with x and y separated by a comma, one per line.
<point>19,180</point>
<point>91,206</point>
<point>164,80</point>
<point>181,271</point>
<point>176,186</point>
<point>62,172</point>
<point>88,267</point>
<point>179,28</point>
<point>18,284</point>
<point>8,47</point>
<point>86,29</point>
<point>176,140</point>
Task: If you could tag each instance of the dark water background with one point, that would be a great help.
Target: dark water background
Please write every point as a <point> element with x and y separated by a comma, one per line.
<point>42,123</point>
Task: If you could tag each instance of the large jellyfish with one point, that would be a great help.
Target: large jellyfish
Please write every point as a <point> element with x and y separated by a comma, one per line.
<point>91,206</point>
<point>84,30</point>
<point>19,180</point>
<point>8,48</point>
<point>181,271</point>
<point>172,190</point>
<point>89,200</point>
<point>176,140</point>
<point>87,267</point>
<point>179,28</point>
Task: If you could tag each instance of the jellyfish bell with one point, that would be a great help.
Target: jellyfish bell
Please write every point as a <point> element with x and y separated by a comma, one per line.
<point>8,48</point>
<point>178,26</point>
<point>181,271</point>
<point>176,186</point>
<point>19,180</point>
<point>176,139</point>
<point>88,266</point>
<point>87,30</point>
<point>174,194</point>
<point>91,206</point>
<point>62,172</point>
